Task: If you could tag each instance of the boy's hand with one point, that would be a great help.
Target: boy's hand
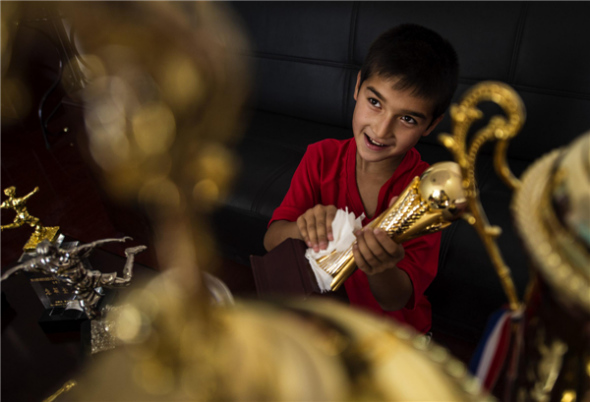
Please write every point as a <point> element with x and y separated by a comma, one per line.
<point>375,252</point>
<point>315,226</point>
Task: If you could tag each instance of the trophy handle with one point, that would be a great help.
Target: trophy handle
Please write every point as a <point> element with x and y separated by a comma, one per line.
<point>501,129</point>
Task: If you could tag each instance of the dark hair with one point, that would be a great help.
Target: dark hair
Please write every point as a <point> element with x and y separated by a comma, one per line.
<point>420,58</point>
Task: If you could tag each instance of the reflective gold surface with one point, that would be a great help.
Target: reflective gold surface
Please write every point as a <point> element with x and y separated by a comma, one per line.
<point>500,129</point>
<point>559,248</point>
<point>260,352</point>
<point>552,216</point>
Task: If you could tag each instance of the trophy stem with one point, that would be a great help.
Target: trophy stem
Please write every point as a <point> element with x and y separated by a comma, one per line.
<point>344,272</point>
<point>502,270</point>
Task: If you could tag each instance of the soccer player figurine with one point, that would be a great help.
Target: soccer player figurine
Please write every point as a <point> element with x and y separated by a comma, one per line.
<point>67,266</point>
<point>18,204</point>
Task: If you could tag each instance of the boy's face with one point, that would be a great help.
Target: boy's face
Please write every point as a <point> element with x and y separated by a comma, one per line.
<point>388,122</point>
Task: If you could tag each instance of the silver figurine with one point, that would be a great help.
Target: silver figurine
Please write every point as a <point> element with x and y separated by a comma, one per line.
<point>68,266</point>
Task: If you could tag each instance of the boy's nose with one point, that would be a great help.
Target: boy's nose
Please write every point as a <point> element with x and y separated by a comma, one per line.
<point>383,127</point>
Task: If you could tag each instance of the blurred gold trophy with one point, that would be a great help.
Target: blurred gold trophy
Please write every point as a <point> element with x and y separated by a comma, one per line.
<point>429,204</point>
<point>18,204</point>
<point>551,209</point>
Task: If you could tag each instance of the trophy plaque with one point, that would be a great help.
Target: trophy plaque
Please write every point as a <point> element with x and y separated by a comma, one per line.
<point>62,313</point>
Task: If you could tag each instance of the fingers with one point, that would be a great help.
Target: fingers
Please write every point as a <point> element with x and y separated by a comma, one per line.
<point>315,226</point>
<point>305,227</point>
<point>375,251</point>
<point>330,215</point>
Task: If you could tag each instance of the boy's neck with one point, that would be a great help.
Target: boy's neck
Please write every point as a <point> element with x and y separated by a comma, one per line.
<point>384,168</point>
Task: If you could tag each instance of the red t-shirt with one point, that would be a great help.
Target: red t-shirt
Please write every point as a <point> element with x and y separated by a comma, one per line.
<point>327,175</point>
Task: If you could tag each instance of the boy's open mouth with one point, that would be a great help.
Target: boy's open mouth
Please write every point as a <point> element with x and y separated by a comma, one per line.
<point>375,143</point>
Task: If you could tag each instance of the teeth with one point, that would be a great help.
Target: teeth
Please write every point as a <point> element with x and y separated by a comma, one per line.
<point>375,143</point>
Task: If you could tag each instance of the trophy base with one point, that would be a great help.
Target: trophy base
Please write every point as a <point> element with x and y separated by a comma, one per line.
<point>60,319</point>
<point>97,335</point>
<point>47,233</point>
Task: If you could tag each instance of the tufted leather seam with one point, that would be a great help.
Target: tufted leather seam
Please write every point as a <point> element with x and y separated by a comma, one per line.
<point>517,42</point>
<point>261,194</point>
<point>552,92</point>
<point>304,60</point>
<point>351,41</point>
<point>532,89</point>
<point>300,149</point>
<point>243,212</point>
<point>353,31</point>
<point>302,119</point>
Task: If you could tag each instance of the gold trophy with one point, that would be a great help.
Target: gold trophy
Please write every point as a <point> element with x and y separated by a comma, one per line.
<point>18,204</point>
<point>429,204</point>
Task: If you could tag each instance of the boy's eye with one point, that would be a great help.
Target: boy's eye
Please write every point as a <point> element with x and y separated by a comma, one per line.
<point>409,119</point>
<point>374,102</point>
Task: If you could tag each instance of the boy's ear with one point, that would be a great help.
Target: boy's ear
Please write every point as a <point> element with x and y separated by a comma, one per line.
<point>357,86</point>
<point>433,125</point>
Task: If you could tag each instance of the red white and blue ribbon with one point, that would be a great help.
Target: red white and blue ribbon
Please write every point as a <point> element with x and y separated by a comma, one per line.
<point>491,352</point>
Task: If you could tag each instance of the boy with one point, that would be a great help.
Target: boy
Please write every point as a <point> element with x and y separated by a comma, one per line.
<point>402,91</point>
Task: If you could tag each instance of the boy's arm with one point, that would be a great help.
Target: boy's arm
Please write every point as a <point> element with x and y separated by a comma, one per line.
<point>314,227</point>
<point>377,255</point>
<point>391,288</point>
<point>398,276</point>
<point>278,232</point>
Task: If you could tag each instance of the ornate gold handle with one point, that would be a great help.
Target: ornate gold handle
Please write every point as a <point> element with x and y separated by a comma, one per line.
<point>501,129</point>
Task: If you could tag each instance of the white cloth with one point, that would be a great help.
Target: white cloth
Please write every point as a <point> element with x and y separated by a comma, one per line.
<point>343,228</point>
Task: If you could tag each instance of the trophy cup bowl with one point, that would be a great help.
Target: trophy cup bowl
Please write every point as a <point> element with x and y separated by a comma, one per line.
<point>441,186</point>
<point>428,204</point>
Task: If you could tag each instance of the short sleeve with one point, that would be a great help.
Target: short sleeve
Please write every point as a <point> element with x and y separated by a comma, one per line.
<point>303,192</point>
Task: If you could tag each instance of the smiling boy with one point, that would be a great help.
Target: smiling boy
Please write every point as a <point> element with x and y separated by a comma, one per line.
<point>402,91</point>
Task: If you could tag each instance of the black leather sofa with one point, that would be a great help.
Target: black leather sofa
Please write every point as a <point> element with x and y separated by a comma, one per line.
<point>306,57</point>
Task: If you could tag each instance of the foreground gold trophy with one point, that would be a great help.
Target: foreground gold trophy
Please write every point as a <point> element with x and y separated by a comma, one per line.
<point>18,204</point>
<point>429,204</point>
<point>551,209</point>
